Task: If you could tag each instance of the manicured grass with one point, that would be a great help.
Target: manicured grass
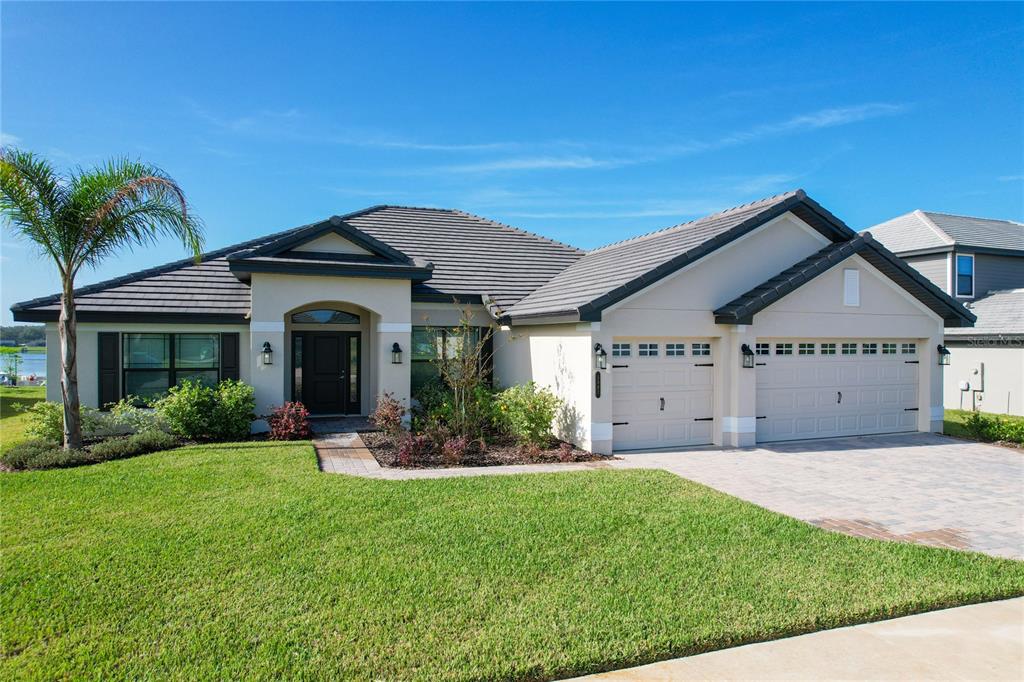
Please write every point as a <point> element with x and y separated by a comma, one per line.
<point>241,561</point>
<point>19,349</point>
<point>14,401</point>
<point>953,421</point>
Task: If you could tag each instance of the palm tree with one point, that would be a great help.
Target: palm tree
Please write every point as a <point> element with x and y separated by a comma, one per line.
<point>80,219</point>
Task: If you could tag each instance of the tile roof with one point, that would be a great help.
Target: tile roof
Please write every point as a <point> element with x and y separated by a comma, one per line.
<point>628,265</point>
<point>924,230</point>
<point>471,256</point>
<point>742,309</point>
<point>1000,313</point>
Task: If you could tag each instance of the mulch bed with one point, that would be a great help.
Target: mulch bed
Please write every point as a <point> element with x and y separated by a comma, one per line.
<point>495,454</point>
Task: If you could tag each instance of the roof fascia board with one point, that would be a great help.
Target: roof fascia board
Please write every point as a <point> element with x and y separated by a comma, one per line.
<point>134,316</point>
<point>544,318</point>
<point>924,252</point>
<point>989,251</point>
<point>298,267</point>
<point>454,299</point>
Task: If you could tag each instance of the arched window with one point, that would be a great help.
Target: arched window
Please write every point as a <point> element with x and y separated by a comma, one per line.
<point>324,316</point>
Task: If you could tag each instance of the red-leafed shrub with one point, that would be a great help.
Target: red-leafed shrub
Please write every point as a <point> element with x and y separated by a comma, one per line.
<point>289,422</point>
<point>388,416</point>
<point>566,452</point>
<point>413,449</point>
<point>454,449</point>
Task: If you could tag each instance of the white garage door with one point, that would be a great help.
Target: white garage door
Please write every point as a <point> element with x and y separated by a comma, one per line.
<point>817,388</point>
<point>663,393</point>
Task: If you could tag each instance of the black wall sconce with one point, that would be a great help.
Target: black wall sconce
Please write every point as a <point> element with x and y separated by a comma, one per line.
<point>267,353</point>
<point>943,355</point>
<point>600,356</point>
<point>748,356</point>
<point>396,354</point>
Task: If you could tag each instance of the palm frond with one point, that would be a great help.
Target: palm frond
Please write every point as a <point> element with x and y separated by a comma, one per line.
<point>31,196</point>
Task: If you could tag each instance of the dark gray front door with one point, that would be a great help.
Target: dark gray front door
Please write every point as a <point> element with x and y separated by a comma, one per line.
<point>327,377</point>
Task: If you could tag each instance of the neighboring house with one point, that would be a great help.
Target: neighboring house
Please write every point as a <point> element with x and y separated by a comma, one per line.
<point>647,340</point>
<point>980,262</point>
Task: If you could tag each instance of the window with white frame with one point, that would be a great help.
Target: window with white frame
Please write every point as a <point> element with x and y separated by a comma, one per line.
<point>763,348</point>
<point>675,350</point>
<point>828,349</point>
<point>869,348</point>
<point>805,349</point>
<point>647,350</point>
<point>783,349</point>
<point>701,348</point>
<point>622,350</point>
<point>965,276</point>
<point>888,349</point>
<point>909,349</point>
<point>849,349</point>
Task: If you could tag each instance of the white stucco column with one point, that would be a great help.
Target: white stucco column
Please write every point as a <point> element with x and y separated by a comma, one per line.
<point>392,378</point>
<point>267,380</point>
<point>738,401</point>
<point>929,396</point>
<point>601,428</point>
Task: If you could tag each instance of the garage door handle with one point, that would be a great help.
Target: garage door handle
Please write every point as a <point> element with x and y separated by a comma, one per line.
<point>662,404</point>
<point>704,419</point>
<point>839,397</point>
<point>910,409</point>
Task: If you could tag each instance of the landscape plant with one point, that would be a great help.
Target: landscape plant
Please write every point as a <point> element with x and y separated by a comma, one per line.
<point>11,363</point>
<point>41,454</point>
<point>993,428</point>
<point>79,220</point>
<point>289,421</point>
<point>234,404</point>
<point>187,408</point>
<point>389,416</point>
<point>528,412</point>
<point>462,363</point>
<point>46,422</point>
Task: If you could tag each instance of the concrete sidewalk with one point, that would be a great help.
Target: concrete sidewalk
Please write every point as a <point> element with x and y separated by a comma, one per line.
<point>979,642</point>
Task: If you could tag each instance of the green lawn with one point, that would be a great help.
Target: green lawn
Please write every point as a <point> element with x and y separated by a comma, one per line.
<point>243,560</point>
<point>14,400</point>
<point>953,424</point>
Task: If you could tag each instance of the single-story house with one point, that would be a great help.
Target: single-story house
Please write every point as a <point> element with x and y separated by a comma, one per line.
<point>980,262</point>
<point>764,322</point>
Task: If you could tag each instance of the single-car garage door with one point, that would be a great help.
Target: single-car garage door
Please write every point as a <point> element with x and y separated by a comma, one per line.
<point>663,393</point>
<point>813,388</point>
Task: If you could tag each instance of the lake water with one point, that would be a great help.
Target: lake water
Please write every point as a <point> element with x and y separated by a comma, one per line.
<point>33,363</point>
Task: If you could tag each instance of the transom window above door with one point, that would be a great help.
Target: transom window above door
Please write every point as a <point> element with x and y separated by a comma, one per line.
<point>324,316</point>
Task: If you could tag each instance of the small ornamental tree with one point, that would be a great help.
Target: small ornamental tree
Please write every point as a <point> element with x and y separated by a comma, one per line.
<point>463,363</point>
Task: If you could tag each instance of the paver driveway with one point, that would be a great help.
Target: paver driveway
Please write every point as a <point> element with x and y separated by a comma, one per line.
<point>914,487</point>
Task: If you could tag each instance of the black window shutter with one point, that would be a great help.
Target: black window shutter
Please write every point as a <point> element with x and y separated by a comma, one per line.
<point>229,356</point>
<point>110,368</point>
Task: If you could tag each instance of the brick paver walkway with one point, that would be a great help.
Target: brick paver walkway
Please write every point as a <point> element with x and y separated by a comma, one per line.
<point>915,487</point>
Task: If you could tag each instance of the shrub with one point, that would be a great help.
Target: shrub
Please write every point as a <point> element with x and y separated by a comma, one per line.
<point>127,415</point>
<point>129,446</point>
<point>187,409</point>
<point>412,449</point>
<point>30,454</point>
<point>233,411</point>
<point>289,422</point>
<point>388,416</point>
<point>39,454</point>
<point>46,422</point>
<point>527,412</point>
<point>454,450</point>
<point>566,452</point>
<point>994,428</point>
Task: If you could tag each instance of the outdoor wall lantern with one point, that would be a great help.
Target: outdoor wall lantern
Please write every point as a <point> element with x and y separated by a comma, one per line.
<point>601,356</point>
<point>268,354</point>
<point>748,356</point>
<point>943,355</point>
<point>396,354</point>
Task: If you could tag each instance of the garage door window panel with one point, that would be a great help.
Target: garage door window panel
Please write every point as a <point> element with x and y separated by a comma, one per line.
<point>621,350</point>
<point>647,350</point>
<point>675,350</point>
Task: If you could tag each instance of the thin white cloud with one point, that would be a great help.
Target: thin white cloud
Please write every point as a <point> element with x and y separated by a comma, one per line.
<point>1010,178</point>
<point>535,163</point>
<point>9,140</point>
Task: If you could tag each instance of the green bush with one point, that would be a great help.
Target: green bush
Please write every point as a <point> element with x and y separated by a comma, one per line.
<point>527,413</point>
<point>129,446</point>
<point>41,454</point>
<point>187,409</point>
<point>46,422</point>
<point>234,405</point>
<point>993,428</point>
<point>126,415</point>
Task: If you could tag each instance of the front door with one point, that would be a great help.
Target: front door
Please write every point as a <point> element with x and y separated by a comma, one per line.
<point>326,371</point>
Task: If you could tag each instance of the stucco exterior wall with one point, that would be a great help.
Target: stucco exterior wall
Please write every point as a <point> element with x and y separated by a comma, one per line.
<point>997,368</point>
<point>88,352</point>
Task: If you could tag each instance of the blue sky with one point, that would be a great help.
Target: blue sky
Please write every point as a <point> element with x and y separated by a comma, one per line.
<point>587,123</point>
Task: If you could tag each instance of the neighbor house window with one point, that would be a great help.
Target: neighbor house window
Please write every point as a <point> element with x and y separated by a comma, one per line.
<point>647,350</point>
<point>806,349</point>
<point>888,349</point>
<point>674,350</point>
<point>763,348</point>
<point>621,350</point>
<point>965,276</point>
<point>701,348</point>
<point>909,349</point>
<point>849,349</point>
<point>828,349</point>
<point>152,363</point>
<point>433,345</point>
<point>869,348</point>
<point>783,349</point>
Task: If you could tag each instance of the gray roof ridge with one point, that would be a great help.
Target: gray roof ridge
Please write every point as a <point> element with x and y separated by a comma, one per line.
<point>771,199</point>
<point>930,224</point>
<point>516,229</point>
<point>973,217</point>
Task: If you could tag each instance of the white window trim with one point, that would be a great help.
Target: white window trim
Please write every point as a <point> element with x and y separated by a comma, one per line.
<point>851,288</point>
<point>956,274</point>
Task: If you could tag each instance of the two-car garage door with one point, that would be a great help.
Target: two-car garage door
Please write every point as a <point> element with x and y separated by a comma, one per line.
<point>823,388</point>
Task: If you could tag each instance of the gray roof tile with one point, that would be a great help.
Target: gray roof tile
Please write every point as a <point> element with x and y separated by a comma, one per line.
<point>925,230</point>
<point>999,313</point>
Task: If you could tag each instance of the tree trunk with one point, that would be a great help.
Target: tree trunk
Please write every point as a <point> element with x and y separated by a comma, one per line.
<point>66,327</point>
